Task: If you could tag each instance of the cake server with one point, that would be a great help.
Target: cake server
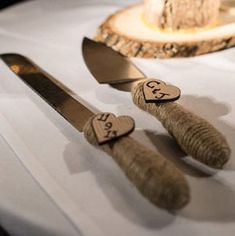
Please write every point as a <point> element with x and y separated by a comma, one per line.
<point>156,178</point>
<point>195,135</point>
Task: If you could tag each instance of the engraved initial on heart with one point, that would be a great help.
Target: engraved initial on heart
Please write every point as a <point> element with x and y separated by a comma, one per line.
<point>158,91</point>
<point>108,127</point>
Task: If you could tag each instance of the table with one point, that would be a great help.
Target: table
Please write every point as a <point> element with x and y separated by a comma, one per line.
<point>54,183</point>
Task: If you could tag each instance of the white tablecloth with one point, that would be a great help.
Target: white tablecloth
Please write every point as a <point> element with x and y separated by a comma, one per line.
<point>54,183</point>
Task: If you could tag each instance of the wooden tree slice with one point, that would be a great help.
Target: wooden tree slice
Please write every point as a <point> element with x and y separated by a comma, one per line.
<point>181,14</point>
<point>126,31</point>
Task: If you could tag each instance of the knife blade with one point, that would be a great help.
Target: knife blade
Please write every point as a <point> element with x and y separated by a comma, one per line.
<point>124,71</point>
<point>195,135</point>
<point>156,178</point>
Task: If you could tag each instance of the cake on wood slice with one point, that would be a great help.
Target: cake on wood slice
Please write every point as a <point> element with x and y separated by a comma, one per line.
<point>181,14</point>
<point>127,32</point>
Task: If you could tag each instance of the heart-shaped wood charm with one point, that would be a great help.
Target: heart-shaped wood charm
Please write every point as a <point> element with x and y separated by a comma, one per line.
<point>108,127</point>
<point>158,91</point>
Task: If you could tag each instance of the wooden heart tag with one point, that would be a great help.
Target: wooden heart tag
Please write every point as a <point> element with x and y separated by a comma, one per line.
<point>108,127</point>
<point>158,91</point>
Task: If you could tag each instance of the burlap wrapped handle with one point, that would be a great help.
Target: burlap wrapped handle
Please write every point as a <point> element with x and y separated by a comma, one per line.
<point>195,135</point>
<point>156,178</point>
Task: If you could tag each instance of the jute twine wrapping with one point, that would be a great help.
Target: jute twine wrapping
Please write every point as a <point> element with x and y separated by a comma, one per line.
<point>156,178</point>
<point>195,135</point>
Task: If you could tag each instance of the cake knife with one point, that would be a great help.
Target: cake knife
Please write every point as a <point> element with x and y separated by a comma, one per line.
<point>156,178</point>
<point>195,135</point>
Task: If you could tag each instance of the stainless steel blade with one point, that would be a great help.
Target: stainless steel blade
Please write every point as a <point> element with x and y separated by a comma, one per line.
<point>54,93</point>
<point>107,65</point>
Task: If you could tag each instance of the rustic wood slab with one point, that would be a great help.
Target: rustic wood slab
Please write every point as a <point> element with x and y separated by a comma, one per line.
<point>127,32</point>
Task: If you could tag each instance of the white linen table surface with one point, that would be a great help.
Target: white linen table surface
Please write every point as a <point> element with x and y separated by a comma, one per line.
<point>53,182</point>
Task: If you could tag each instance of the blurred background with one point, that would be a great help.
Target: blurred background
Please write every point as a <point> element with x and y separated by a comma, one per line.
<point>6,3</point>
